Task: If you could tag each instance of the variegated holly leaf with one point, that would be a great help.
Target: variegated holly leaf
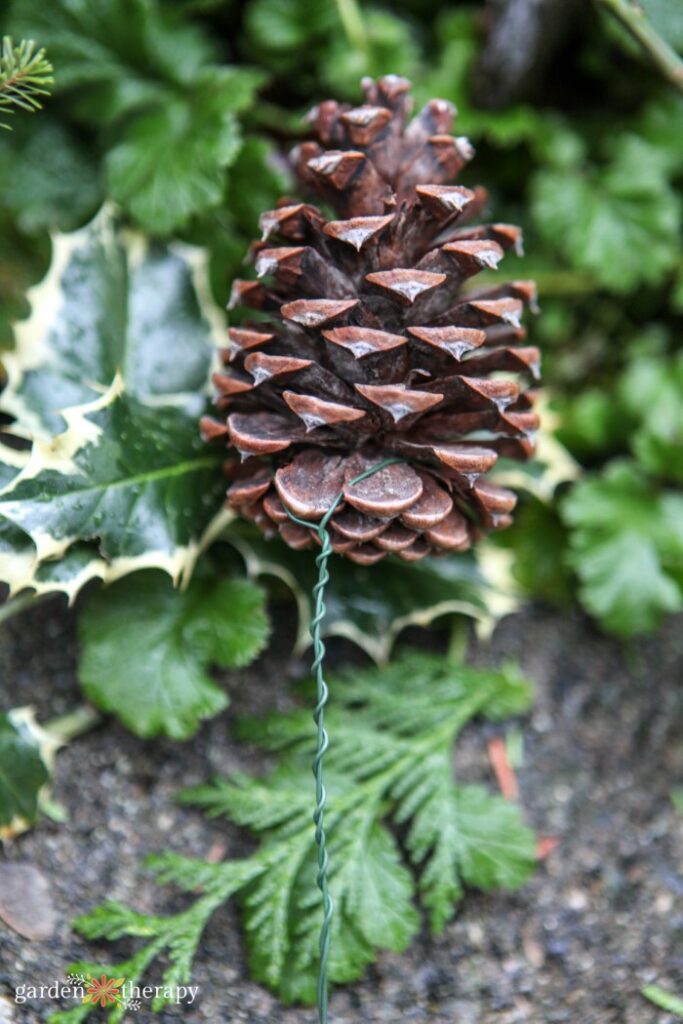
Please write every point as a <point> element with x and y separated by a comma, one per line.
<point>136,478</point>
<point>27,760</point>
<point>371,606</point>
<point>23,771</point>
<point>17,550</point>
<point>111,303</point>
<point>108,381</point>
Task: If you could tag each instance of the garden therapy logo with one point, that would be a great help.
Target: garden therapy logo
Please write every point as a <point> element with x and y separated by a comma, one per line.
<point>107,991</point>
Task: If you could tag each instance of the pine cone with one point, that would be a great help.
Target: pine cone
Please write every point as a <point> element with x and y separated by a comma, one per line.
<point>374,348</point>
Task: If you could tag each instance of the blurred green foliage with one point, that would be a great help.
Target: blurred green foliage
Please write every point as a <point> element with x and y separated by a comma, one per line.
<point>182,111</point>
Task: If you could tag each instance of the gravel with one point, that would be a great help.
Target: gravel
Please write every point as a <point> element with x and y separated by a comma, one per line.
<point>602,916</point>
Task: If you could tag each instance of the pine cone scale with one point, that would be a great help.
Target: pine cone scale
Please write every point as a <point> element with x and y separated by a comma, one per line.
<point>386,493</point>
<point>310,483</point>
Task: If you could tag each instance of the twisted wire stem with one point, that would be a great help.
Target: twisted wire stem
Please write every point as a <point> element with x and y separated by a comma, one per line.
<point>323,740</point>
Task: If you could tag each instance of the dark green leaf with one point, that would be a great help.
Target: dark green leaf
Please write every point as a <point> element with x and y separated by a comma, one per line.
<point>390,44</point>
<point>627,548</point>
<point>147,647</point>
<point>256,180</point>
<point>110,303</point>
<point>151,72</point>
<point>372,606</point>
<point>141,483</point>
<point>652,392</point>
<point>538,538</point>
<point>170,163</point>
<point>50,179</point>
<point>281,29</point>
<point>22,773</point>
<point>127,53</point>
<point>621,224</point>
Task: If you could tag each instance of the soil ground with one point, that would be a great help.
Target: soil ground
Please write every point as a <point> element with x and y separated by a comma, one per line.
<point>602,916</point>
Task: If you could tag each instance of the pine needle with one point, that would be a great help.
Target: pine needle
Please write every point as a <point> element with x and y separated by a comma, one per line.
<point>25,74</point>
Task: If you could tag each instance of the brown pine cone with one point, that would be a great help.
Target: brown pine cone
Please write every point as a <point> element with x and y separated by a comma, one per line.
<point>374,347</point>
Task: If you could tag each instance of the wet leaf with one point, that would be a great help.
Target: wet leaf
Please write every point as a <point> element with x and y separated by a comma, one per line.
<point>50,180</point>
<point>109,380</point>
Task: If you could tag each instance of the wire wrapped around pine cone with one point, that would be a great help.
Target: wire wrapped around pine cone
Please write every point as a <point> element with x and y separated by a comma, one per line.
<point>375,346</point>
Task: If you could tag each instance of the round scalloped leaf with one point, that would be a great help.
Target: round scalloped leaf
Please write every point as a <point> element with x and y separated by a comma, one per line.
<point>147,648</point>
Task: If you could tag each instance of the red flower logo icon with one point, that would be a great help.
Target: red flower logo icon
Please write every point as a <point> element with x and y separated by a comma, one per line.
<point>105,992</point>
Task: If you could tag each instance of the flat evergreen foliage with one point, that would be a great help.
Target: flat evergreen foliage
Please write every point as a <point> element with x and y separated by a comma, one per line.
<point>390,765</point>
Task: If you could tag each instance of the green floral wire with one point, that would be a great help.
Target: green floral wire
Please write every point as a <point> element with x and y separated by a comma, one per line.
<point>322,736</point>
